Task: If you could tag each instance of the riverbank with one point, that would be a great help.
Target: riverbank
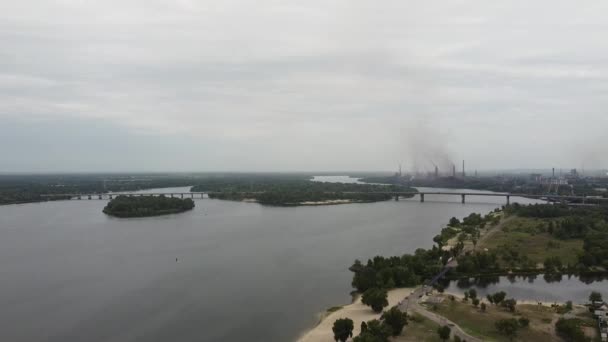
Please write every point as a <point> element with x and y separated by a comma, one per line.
<point>356,311</point>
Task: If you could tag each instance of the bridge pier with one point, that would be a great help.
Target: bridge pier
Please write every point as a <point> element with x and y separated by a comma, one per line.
<point>462,198</point>
<point>421,198</point>
<point>100,197</point>
<point>89,197</point>
<point>182,195</point>
<point>171,195</point>
<point>110,196</point>
<point>79,197</point>
<point>508,199</point>
<point>396,197</point>
<point>202,195</point>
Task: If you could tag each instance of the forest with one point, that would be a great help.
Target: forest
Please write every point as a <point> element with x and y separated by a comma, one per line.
<point>141,206</point>
<point>293,191</point>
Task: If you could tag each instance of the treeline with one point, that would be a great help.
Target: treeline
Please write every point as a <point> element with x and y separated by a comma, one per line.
<point>410,270</point>
<point>30,188</point>
<point>140,206</point>
<point>290,191</point>
<point>404,271</point>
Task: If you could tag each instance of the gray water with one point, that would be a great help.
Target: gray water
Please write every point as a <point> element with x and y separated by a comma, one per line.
<point>536,288</point>
<point>70,273</point>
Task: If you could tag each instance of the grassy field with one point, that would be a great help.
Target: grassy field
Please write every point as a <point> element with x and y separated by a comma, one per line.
<point>418,329</point>
<point>481,324</point>
<point>527,236</point>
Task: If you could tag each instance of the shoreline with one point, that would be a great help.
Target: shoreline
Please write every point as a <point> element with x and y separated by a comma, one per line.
<point>357,311</point>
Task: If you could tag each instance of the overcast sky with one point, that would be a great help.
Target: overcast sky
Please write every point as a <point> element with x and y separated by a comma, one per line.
<point>183,85</point>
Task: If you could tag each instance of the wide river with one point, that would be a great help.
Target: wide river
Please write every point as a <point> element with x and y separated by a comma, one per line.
<point>225,271</point>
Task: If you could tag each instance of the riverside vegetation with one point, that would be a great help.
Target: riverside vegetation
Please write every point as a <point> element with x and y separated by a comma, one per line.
<point>534,239</point>
<point>141,206</point>
<point>291,192</point>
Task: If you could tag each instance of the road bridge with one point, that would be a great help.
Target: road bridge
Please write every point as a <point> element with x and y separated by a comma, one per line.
<point>422,195</point>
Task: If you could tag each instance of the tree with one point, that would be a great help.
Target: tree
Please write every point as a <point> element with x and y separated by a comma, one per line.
<point>376,332</point>
<point>507,327</point>
<point>498,297</point>
<point>595,297</point>
<point>395,319</point>
<point>510,303</point>
<point>570,330</point>
<point>454,222</point>
<point>523,322</point>
<point>476,302</point>
<point>483,307</point>
<point>343,329</point>
<point>375,298</point>
<point>490,298</point>
<point>473,293</point>
<point>444,332</point>
<point>466,296</point>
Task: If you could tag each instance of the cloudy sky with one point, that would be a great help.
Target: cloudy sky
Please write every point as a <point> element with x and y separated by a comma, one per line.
<point>183,85</point>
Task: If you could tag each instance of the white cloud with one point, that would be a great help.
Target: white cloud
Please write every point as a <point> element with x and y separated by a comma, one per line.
<point>317,78</point>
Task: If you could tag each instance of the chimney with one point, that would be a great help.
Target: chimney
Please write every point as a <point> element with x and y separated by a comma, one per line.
<point>454,170</point>
<point>463,174</point>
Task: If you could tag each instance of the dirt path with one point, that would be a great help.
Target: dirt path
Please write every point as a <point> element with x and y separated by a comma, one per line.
<point>493,230</point>
<point>411,304</point>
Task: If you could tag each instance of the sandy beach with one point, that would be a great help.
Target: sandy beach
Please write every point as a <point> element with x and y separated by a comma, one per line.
<point>355,311</point>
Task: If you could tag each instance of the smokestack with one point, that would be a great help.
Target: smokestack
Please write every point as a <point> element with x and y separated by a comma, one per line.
<point>436,172</point>
<point>454,170</point>
<point>463,174</point>
<point>553,172</point>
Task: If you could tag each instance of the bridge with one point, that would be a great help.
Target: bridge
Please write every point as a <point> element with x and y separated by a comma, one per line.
<point>397,195</point>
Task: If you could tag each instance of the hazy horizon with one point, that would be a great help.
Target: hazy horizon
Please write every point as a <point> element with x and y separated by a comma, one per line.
<point>176,86</point>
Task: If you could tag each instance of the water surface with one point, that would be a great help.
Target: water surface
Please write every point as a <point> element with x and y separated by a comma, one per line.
<point>538,288</point>
<point>71,273</point>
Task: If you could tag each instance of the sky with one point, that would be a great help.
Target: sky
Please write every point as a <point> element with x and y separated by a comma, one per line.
<point>316,85</point>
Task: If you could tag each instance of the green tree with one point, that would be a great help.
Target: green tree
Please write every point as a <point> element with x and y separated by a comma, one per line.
<point>483,307</point>
<point>375,298</point>
<point>490,298</point>
<point>454,222</point>
<point>395,319</point>
<point>570,330</point>
<point>524,322</point>
<point>498,297</point>
<point>507,327</point>
<point>476,302</point>
<point>473,293</point>
<point>444,332</point>
<point>343,329</point>
<point>595,297</point>
<point>376,332</point>
<point>510,304</point>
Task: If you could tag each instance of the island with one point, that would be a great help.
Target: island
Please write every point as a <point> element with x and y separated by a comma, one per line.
<point>295,192</point>
<point>142,206</point>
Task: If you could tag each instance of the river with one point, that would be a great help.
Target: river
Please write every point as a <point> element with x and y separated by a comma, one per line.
<point>243,271</point>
